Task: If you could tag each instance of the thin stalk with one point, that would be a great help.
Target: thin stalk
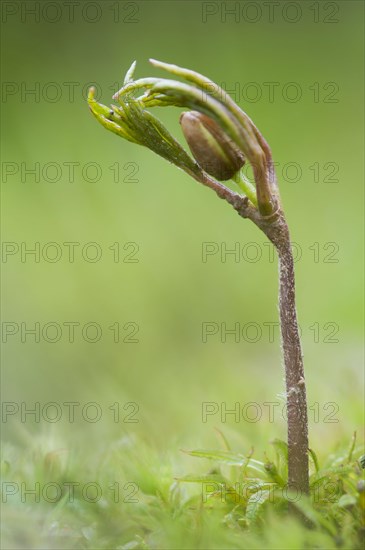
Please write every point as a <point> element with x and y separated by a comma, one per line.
<point>276,229</point>
<point>246,186</point>
<point>294,372</point>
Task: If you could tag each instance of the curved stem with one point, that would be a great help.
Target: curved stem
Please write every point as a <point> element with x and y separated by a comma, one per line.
<point>276,229</point>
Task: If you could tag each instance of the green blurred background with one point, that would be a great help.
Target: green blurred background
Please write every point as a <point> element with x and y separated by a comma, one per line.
<point>314,50</point>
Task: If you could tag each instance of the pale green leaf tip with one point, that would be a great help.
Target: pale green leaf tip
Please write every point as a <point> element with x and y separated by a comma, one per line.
<point>97,108</point>
<point>129,74</point>
<point>91,94</point>
<point>160,64</point>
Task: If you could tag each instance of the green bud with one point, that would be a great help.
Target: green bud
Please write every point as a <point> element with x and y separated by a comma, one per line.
<point>213,150</point>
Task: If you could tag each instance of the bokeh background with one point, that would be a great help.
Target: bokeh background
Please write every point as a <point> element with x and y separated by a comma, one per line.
<point>297,70</point>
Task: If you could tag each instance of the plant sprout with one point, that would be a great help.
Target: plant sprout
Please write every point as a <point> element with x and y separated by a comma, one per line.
<point>222,138</point>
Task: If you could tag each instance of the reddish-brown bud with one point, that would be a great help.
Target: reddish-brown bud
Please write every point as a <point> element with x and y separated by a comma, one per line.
<point>213,150</point>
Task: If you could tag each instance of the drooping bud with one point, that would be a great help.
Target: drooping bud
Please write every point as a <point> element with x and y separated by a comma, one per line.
<point>213,150</point>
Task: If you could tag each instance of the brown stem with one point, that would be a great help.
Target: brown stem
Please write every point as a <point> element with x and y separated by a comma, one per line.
<point>294,372</point>
<point>275,228</point>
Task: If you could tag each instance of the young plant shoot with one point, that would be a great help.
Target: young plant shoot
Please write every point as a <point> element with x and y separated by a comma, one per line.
<point>222,138</point>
